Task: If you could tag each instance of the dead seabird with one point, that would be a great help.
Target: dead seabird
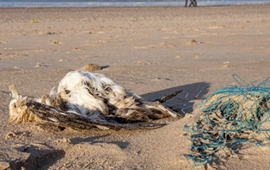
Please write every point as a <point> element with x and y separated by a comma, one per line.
<point>86,100</point>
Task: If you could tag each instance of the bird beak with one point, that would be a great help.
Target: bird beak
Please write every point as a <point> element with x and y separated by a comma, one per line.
<point>14,92</point>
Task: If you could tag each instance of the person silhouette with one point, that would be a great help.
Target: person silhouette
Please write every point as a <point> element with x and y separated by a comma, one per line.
<point>192,3</point>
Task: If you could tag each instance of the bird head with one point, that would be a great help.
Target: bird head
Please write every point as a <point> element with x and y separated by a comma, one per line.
<point>18,110</point>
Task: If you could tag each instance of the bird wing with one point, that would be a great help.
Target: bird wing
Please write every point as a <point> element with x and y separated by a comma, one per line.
<point>74,120</point>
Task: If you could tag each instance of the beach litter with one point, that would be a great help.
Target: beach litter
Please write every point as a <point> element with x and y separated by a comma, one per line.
<point>228,119</point>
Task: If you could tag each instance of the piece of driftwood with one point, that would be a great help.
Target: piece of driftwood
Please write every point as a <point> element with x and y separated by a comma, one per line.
<point>85,100</point>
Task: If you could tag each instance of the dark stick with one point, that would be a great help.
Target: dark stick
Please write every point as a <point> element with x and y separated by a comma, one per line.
<point>168,97</point>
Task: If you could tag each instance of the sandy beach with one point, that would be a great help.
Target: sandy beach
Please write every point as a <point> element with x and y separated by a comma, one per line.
<point>150,51</point>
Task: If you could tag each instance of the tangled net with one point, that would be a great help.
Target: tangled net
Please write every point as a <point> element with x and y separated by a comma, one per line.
<point>229,118</point>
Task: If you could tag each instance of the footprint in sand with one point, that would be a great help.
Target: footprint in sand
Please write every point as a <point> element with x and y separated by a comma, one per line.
<point>161,79</point>
<point>55,42</point>
<point>21,155</point>
<point>13,55</point>
<point>102,155</point>
<point>77,49</point>
<point>194,42</point>
<point>50,33</point>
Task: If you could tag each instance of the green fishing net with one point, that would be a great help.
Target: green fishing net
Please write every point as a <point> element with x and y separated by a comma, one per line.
<point>227,119</point>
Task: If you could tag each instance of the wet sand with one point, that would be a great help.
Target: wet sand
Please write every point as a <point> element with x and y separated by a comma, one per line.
<point>149,51</point>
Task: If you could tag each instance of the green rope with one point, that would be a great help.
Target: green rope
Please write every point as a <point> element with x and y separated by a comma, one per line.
<point>228,118</point>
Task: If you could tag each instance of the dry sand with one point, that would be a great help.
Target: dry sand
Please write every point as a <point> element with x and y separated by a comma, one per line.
<point>150,51</point>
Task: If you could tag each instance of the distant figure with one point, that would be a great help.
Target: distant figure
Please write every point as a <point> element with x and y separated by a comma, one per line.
<point>192,3</point>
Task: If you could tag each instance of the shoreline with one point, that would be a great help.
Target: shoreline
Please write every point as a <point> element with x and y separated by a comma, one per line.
<point>138,7</point>
<point>132,5</point>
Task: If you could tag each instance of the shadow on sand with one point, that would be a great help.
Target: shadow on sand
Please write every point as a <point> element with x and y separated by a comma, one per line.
<point>182,103</point>
<point>185,99</point>
<point>95,139</point>
<point>40,158</point>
